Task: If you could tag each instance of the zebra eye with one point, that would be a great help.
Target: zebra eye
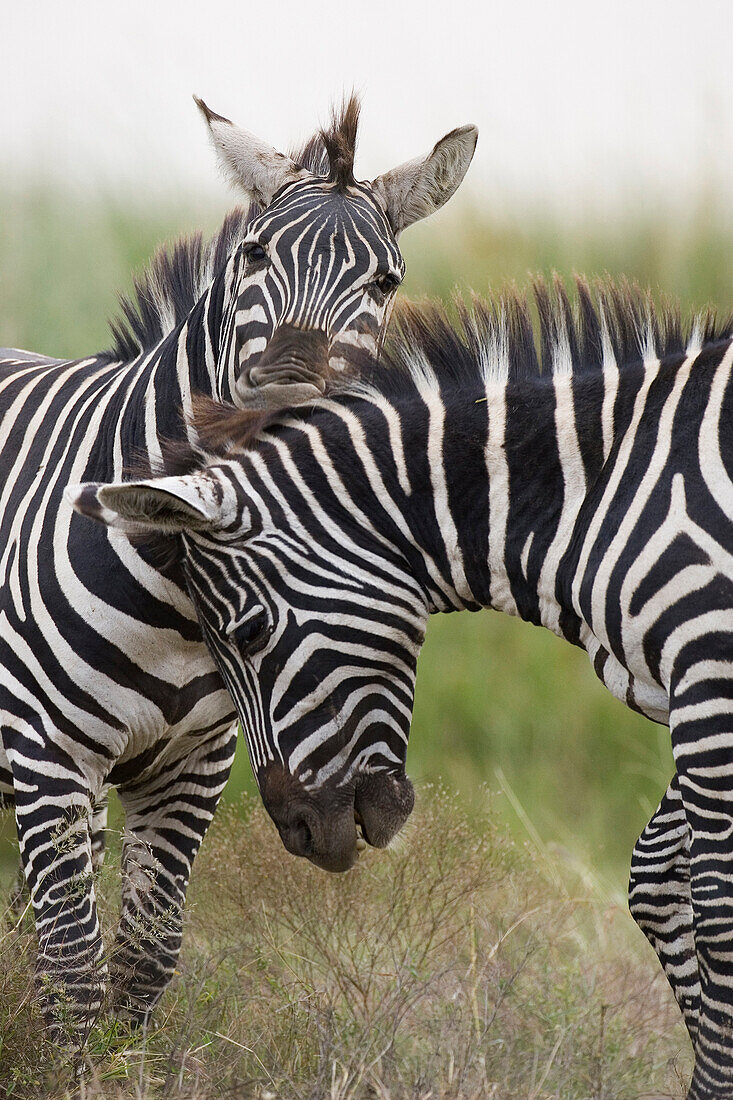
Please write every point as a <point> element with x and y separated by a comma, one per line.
<point>255,253</point>
<point>387,283</point>
<point>251,636</point>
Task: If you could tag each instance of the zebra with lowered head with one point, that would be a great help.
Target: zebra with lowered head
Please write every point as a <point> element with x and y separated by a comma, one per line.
<point>590,492</point>
<point>105,678</point>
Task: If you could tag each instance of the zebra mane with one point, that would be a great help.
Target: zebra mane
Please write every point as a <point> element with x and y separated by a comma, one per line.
<point>508,337</point>
<point>167,290</point>
<point>514,336</point>
<point>339,142</point>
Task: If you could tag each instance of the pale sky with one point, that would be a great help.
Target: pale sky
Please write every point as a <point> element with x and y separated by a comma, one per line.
<point>579,105</point>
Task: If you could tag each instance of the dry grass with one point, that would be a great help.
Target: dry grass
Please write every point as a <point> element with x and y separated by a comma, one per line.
<point>454,966</point>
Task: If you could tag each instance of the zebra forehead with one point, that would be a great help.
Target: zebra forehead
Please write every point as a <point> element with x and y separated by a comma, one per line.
<point>320,201</point>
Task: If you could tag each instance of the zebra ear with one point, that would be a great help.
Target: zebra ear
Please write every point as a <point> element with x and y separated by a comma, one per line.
<point>248,162</point>
<point>421,186</point>
<point>168,505</point>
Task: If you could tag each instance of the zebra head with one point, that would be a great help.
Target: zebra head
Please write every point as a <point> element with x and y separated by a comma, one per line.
<point>317,270</point>
<point>316,629</point>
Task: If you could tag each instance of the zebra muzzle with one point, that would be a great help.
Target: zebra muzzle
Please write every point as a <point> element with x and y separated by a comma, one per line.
<point>331,825</point>
<point>383,802</point>
<point>292,369</point>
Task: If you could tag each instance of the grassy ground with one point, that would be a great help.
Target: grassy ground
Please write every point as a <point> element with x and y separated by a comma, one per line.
<point>456,966</point>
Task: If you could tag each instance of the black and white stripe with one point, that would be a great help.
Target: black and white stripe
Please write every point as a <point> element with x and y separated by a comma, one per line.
<point>591,493</point>
<point>105,677</point>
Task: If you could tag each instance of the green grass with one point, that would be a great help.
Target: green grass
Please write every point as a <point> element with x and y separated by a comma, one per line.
<point>455,965</point>
<point>685,258</point>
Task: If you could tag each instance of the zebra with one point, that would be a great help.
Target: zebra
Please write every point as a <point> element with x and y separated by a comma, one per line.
<point>586,488</point>
<point>105,678</point>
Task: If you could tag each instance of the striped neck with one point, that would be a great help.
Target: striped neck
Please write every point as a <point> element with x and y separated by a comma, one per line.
<point>485,484</point>
<point>543,453</point>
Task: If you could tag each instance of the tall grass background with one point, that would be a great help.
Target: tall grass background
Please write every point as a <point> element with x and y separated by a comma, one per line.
<point>505,714</point>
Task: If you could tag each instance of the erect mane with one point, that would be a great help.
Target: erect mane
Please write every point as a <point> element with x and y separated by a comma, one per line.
<point>512,335</point>
<point>506,337</point>
<point>167,290</point>
<point>339,141</point>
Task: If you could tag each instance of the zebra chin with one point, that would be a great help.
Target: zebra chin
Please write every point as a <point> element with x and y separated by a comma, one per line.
<point>328,825</point>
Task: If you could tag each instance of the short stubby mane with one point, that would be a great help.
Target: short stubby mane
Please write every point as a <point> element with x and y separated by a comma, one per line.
<point>167,290</point>
<point>514,336</point>
<point>505,338</point>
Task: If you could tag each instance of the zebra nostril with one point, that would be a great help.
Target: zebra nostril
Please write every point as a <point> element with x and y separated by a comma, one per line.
<point>300,837</point>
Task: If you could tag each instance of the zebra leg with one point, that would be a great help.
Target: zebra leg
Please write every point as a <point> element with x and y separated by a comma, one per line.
<point>19,891</point>
<point>702,740</point>
<point>166,819</point>
<point>53,810</point>
<point>660,903</point>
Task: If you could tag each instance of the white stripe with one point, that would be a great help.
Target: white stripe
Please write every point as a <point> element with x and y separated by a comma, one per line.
<point>498,473</point>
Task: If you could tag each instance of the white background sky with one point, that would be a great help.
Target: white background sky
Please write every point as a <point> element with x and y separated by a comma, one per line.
<point>580,106</point>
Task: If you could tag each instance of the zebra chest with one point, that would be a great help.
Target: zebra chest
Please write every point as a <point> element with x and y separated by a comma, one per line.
<point>624,647</point>
<point>633,686</point>
<point>113,651</point>
<point>149,748</point>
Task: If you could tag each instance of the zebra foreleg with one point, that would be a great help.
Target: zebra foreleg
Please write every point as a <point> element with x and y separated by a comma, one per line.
<point>19,895</point>
<point>702,741</point>
<point>660,903</point>
<point>53,819</point>
<point>165,821</point>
